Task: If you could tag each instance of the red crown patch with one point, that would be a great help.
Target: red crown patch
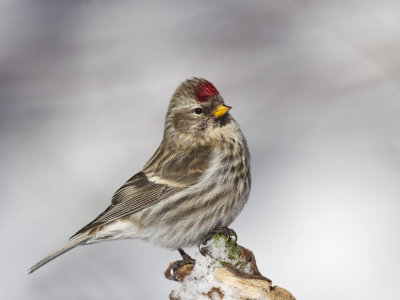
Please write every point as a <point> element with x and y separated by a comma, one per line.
<point>205,90</point>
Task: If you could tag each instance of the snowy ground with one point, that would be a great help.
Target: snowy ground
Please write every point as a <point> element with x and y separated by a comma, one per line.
<point>315,85</point>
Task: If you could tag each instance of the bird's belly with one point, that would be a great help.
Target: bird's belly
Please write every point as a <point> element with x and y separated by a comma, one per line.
<point>187,229</point>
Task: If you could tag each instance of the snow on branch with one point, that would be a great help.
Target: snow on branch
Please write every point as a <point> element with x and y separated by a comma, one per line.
<point>225,271</point>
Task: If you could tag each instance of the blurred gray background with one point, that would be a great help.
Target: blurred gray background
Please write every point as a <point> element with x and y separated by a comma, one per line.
<point>84,88</point>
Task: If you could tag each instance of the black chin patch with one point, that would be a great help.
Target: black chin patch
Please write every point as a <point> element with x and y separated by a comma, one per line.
<point>224,120</point>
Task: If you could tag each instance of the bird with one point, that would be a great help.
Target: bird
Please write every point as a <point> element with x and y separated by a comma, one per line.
<point>197,180</point>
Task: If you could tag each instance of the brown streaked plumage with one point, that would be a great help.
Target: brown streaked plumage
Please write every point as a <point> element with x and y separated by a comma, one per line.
<point>198,179</point>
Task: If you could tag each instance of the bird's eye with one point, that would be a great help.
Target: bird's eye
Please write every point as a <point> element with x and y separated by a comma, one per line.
<point>198,111</point>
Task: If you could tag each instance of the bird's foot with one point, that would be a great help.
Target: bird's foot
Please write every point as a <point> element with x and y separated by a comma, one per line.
<point>179,269</point>
<point>186,257</point>
<point>229,233</point>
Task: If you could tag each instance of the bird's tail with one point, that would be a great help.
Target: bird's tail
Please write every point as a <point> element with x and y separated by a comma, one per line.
<point>72,243</point>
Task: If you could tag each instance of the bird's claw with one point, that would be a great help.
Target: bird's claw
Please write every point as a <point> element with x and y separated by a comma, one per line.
<point>177,270</point>
<point>229,233</point>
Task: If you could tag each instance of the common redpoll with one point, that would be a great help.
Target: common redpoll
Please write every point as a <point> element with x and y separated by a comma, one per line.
<point>197,180</point>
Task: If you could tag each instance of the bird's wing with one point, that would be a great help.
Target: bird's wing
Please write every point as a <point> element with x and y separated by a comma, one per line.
<point>168,175</point>
<point>136,194</point>
<point>183,167</point>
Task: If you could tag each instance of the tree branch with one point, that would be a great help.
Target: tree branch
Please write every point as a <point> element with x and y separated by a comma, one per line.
<point>226,271</point>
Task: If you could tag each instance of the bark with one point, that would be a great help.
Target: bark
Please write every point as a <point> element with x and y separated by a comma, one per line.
<point>234,275</point>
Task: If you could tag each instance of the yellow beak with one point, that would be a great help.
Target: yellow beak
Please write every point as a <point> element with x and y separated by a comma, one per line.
<point>221,111</point>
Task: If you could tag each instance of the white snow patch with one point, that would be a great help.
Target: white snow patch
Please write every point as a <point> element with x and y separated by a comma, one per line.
<point>220,252</point>
<point>201,280</point>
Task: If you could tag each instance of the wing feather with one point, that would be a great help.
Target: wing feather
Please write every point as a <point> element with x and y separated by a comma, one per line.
<point>137,194</point>
<point>175,173</point>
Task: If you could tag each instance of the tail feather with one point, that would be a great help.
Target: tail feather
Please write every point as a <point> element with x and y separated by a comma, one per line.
<point>78,240</point>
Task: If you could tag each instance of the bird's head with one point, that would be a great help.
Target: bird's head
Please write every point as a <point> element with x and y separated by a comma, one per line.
<point>196,112</point>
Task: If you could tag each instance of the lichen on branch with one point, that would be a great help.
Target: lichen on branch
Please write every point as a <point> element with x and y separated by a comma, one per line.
<point>225,271</point>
